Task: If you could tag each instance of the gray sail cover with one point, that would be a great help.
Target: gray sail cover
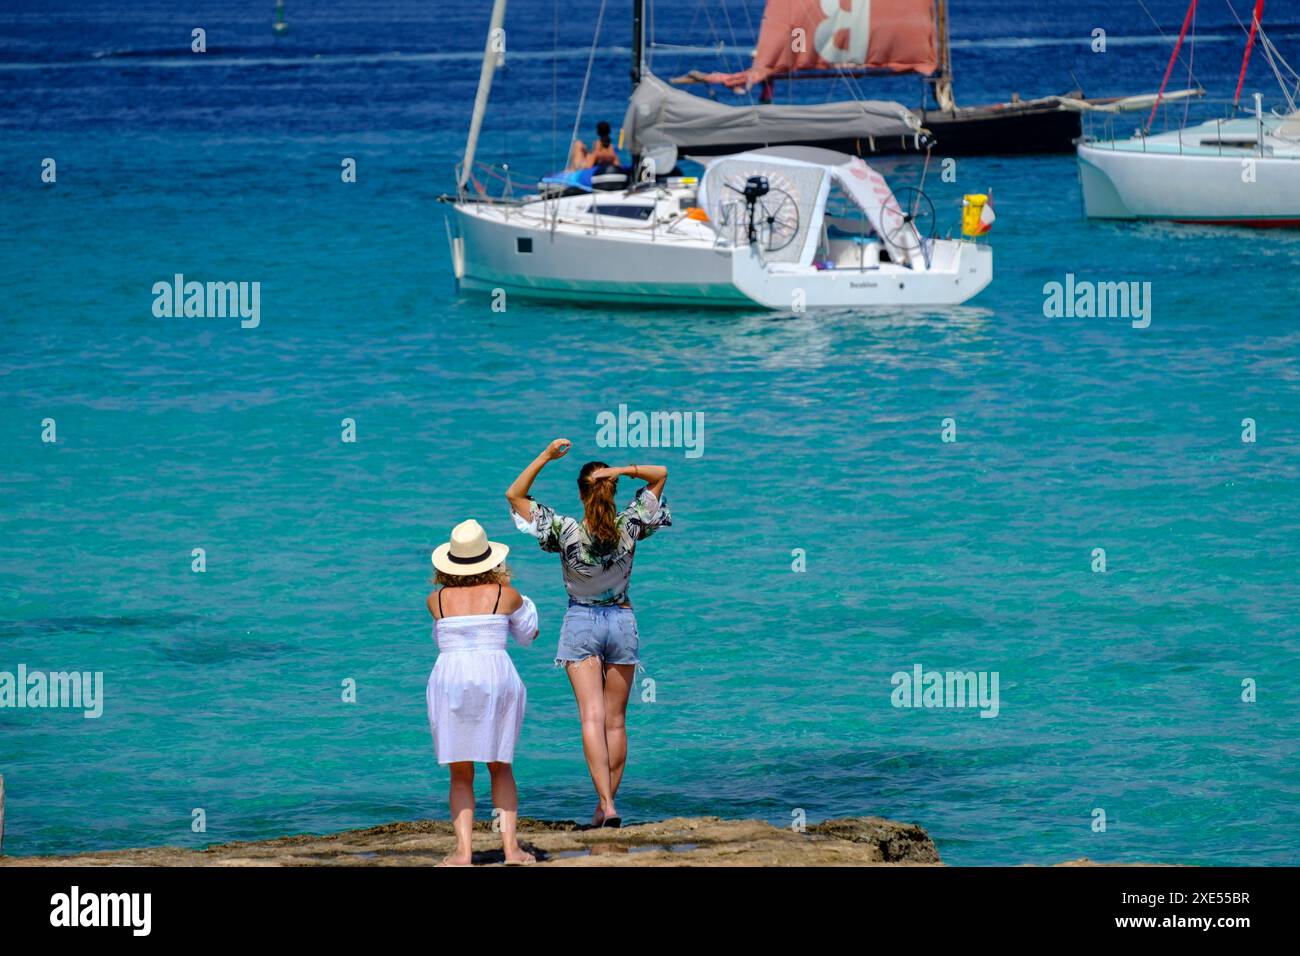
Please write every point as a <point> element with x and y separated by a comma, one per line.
<point>658,113</point>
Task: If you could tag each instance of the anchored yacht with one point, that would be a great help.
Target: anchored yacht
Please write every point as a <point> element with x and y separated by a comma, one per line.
<point>1242,168</point>
<point>784,228</point>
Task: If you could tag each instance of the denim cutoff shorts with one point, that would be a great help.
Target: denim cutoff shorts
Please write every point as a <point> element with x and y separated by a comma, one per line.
<point>594,630</point>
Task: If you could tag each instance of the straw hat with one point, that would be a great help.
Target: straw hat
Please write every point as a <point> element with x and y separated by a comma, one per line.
<point>469,551</point>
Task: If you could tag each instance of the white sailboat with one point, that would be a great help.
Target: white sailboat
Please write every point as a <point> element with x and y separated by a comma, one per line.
<point>784,228</point>
<point>1243,169</point>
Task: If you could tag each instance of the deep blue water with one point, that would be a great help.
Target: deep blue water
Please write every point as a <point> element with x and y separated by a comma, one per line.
<point>1119,691</point>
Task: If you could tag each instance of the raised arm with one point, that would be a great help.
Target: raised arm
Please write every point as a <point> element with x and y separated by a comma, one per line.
<point>517,493</point>
<point>655,476</point>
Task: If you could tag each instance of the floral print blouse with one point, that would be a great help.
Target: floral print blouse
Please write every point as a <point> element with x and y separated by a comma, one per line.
<point>593,576</point>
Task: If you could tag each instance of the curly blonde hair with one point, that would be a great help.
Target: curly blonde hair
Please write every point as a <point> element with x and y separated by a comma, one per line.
<point>498,575</point>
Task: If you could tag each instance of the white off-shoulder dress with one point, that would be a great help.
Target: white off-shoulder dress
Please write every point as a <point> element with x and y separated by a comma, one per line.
<point>476,699</point>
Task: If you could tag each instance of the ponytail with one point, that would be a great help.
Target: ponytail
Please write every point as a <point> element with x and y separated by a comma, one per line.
<point>599,513</point>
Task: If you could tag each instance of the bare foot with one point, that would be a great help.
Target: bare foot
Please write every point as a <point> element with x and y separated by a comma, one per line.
<point>518,857</point>
<point>457,859</point>
<point>602,814</point>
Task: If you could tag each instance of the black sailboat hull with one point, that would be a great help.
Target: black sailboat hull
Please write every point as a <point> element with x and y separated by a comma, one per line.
<point>1004,129</point>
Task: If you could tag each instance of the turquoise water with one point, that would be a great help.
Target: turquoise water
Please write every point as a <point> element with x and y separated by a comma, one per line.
<point>1118,690</point>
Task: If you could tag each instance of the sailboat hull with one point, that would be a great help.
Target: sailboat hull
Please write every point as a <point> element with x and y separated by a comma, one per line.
<point>1003,129</point>
<point>688,241</point>
<point>569,265</point>
<point>1129,184</point>
<point>600,268</point>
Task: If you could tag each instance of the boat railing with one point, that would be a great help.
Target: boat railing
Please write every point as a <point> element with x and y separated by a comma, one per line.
<point>1113,130</point>
<point>484,178</point>
<point>531,203</point>
<point>730,227</point>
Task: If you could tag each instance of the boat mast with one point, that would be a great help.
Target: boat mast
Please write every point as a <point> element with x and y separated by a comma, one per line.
<point>484,87</point>
<point>638,41</point>
<point>1250,45</point>
<point>942,83</point>
<point>1182,35</point>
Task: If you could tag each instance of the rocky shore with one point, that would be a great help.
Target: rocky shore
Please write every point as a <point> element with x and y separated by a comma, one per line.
<point>683,841</point>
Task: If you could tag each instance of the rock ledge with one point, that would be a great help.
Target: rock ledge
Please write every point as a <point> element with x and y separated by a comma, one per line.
<point>682,841</point>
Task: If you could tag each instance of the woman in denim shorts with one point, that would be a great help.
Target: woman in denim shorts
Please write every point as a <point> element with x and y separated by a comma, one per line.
<point>598,640</point>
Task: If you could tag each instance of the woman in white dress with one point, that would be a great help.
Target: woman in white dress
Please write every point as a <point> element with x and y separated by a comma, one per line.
<point>475,697</point>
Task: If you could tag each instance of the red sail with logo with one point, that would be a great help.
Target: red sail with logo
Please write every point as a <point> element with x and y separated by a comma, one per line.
<point>815,35</point>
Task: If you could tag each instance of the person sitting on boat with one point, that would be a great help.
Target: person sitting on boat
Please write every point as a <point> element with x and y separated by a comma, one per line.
<point>601,153</point>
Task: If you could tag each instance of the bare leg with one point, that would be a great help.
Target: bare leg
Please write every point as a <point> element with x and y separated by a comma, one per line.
<point>618,685</point>
<point>505,797</point>
<point>588,689</point>
<point>462,813</point>
<point>577,155</point>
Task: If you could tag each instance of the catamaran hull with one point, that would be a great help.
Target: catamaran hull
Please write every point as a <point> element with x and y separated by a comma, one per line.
<point>1130,184</point>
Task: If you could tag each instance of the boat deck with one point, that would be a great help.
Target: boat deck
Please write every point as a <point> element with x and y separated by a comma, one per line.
<point>1233,137</point>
